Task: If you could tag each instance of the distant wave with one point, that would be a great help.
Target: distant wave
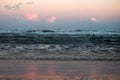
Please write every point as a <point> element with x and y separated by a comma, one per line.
<point>59,38</point>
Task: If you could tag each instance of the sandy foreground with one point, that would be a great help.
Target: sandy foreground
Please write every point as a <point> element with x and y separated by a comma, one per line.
<point>59,70</point>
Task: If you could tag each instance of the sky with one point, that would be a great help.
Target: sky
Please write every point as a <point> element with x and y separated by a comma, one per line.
<point>60,14</point>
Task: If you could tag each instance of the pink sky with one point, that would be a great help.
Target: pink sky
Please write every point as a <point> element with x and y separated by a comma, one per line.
<point>76,8</point>
<point>61,11</point>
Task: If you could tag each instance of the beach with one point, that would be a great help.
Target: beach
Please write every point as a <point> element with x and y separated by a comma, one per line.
<point>59,56</point>
<point>59,70</point>
<point>59,39</point>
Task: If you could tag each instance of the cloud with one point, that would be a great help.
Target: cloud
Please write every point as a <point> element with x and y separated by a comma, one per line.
<point>17,6</point>
<point>29,2</point>
<point>52,19</point>
<point>32,16</point>
<point>93,19</point>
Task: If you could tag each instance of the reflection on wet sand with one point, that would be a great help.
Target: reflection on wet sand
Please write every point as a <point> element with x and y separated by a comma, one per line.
<point>51,70</point>
<point>31,72</point>
<point>56,70</point>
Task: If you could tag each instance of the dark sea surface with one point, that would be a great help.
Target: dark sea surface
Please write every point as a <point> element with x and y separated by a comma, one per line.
<point>60,45</point>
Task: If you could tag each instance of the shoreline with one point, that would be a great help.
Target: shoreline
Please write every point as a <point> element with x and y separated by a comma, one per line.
<point>60,59</point>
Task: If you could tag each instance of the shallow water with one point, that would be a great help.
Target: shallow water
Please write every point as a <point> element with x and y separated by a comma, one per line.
<point>59,70</point>
<point>60,51</point>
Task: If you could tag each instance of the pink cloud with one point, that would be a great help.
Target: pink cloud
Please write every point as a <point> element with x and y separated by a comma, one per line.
<point>93,19</point>
<point>52,19</point>
<point>32,16</point>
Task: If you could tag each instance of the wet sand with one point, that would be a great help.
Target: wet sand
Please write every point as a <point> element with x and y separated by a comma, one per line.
<point>59,70</point>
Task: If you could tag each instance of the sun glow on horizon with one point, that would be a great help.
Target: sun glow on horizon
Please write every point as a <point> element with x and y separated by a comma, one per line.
<point>32,16</point>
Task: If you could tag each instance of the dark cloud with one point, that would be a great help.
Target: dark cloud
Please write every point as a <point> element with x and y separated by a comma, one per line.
<point>29,2</point>
<point>17,6</point>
